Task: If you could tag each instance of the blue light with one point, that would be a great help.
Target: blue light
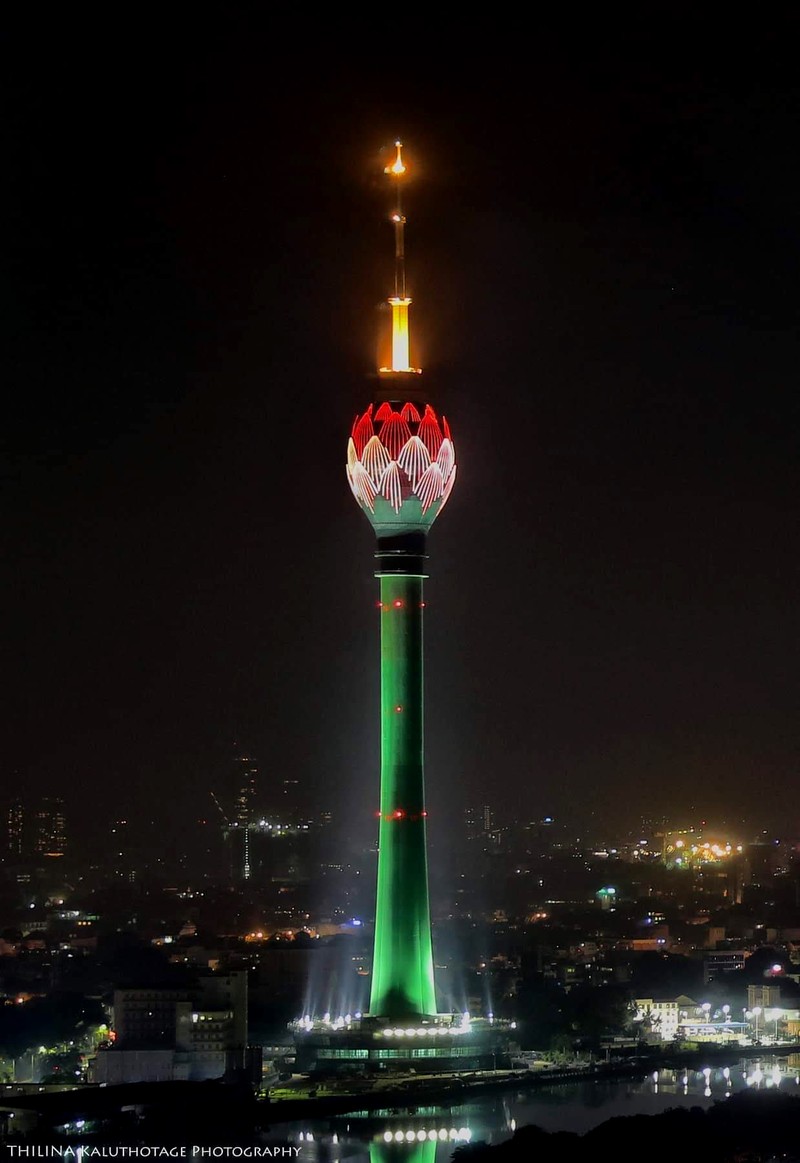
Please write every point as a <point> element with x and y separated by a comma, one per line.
<point>355,921</point>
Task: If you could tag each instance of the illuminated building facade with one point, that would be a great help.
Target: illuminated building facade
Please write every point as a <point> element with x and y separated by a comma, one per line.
<point>49,828</point>
<point>16,822</point>
<point>36,830</point>
<point>244,807</point>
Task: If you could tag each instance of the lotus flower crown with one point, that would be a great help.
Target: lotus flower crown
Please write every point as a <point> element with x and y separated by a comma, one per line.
<point>401,466</point>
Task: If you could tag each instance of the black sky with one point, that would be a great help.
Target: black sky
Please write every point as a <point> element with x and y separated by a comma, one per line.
<point>604,237</point>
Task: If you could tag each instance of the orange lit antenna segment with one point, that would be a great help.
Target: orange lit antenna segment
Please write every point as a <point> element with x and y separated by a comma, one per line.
<point>397,167</point>
<point>399,301</point>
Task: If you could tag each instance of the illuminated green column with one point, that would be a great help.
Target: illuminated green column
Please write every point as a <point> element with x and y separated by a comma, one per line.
<point>402,968</point>
<point>417,1152</point>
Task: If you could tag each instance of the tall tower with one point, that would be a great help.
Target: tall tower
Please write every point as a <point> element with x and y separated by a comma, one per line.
<point>401,469</point>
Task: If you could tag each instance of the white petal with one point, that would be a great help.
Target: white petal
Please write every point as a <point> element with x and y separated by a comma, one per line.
<point>414,459</point>
<point>430,486</point>
<point>391,487</point>
<point>375,459</point>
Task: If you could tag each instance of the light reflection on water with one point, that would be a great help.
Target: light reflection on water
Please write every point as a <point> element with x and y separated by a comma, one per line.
<point>428,1134</point>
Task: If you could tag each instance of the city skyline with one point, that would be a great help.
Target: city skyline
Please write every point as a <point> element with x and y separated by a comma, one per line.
<point>619,339</point>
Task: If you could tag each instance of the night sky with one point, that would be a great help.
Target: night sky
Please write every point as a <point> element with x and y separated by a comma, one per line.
<point>603,249</point>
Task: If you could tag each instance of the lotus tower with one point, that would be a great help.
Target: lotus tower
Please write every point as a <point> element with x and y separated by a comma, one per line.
<point>401,467</point>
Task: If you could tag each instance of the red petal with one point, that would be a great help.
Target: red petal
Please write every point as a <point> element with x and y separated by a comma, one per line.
<point>429,432</point>
<point>394,433</point>
<point>363,430</point>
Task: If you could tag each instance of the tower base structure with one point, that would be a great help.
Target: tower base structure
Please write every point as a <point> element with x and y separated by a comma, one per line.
<point>443,1044</point>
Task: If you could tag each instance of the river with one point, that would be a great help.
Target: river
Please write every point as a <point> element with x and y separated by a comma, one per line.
<point>430,1133</point>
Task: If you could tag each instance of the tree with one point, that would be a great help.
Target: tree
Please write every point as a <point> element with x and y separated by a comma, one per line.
<point>48,1021</point>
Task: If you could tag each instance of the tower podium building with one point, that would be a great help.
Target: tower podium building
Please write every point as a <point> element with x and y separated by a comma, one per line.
<point>401,467</point>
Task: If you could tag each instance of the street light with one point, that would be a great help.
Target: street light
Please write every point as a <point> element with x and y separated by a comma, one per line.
<point>756,1012</point>
<point>727,1012</point>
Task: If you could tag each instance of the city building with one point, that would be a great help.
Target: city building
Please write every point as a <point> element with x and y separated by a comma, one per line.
<point>16,834</point>
<point>718,962</point>
<point>244,807</point>
<point>763,997</point>
<point>478,821</point>
<point>660,1018</point>
<point>49,827</point>
<point>36,828</point>
<point>179,1034</point>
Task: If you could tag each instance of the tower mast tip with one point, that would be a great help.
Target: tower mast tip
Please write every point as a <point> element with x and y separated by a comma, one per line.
<point>399,301</point>
<point>397,167</point>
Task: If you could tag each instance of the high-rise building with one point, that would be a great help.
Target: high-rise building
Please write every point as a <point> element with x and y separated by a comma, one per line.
<point>246,775</point>
<point>244,808</point>
<point>16,833</point>
<point>49,827</point>
<point>36,828</point>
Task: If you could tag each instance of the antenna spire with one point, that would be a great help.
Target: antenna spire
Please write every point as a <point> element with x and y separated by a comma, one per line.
<point>397,170</point>
<point>399,302</point>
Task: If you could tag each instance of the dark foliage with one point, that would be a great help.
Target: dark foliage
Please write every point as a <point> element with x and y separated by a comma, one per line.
<point>61,1017</point>
<point>752,1127</point>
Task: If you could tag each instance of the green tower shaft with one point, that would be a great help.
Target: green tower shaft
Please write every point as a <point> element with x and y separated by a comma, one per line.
<point>402,966</point>
<point>406,1152</point>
